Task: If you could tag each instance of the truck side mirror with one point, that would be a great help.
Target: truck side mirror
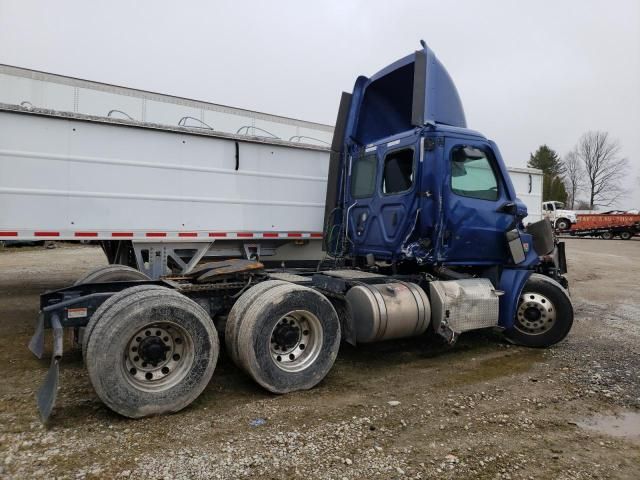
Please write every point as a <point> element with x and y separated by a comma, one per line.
<point>508,207</point>
<point>473,153</point>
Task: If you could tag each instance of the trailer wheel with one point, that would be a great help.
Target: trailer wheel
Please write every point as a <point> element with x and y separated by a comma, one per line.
<point>544,315</point>
<point>152,352</point>
<point>606,235</point>
<point>112,273</point>
<point>626,235</point>
<point>563,224</point>
<point>289,339</point>
<point>106,305</point>
<point>237,315</point>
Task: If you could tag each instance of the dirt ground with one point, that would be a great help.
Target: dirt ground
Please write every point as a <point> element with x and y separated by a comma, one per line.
<point>482,409</point>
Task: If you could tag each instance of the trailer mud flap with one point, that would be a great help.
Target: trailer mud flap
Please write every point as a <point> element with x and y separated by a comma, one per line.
<point>48,391</point>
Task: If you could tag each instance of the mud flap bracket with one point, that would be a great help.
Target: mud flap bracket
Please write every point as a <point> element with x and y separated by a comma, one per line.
<point>48,391</point>
<point>36,344</point>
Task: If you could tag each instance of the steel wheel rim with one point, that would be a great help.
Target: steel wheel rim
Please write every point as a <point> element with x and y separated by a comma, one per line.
<point>145,369</point>
<point>294,352</point>
<point>536,314</point>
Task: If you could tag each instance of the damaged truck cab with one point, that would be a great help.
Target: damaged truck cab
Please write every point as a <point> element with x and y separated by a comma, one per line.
<point>423,231</point>
<point>411,188</point>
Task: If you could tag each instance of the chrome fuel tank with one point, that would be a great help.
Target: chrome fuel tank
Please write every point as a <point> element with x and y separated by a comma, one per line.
<point>389,310</point>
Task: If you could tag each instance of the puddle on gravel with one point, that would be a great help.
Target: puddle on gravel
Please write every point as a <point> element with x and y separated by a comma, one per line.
<point>624,424</point>
<point>478,370</point>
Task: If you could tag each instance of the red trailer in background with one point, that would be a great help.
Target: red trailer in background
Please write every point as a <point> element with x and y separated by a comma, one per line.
<point>606,226</point>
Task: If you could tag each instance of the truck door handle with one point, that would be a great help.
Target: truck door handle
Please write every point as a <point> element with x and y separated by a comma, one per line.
<point>394,219</point>
<point>508,207</point>
<point>362,218</point>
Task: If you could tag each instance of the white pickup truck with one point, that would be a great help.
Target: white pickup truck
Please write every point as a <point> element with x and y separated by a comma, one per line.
<point>560,218</point>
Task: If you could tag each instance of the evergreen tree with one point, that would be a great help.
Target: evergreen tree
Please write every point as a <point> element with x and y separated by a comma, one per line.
<point>547,160</point>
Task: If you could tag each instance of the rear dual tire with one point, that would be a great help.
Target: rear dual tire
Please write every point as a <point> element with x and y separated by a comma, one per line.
<point>152,351</point>
<point>112,273</point>
<point>237,314</point>
<point>288,337</point>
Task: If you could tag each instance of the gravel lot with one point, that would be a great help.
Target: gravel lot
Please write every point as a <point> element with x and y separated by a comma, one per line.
<point>400,409</point>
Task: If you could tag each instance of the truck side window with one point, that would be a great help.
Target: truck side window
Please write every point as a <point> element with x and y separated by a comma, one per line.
<point>363,176</point>
<point>472,175</point>
<point>398,171</point>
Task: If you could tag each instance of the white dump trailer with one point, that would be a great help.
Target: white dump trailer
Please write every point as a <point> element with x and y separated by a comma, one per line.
<point>163,181</point>
<point>528,185</point>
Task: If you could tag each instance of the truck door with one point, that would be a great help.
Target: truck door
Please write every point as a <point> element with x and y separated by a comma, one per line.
<point>383,201</point>
<point>478,205</point>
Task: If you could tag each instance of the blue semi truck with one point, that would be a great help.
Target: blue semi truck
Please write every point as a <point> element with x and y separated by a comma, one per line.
<point>423,232</point>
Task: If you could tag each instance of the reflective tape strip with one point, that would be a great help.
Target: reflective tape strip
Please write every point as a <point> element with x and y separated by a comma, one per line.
<point>101,234</point>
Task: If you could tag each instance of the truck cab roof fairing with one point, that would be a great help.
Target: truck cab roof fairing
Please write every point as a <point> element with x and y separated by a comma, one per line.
<point>410,92</point>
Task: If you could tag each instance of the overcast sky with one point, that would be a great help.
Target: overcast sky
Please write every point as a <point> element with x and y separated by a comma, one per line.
<point>528,73</point>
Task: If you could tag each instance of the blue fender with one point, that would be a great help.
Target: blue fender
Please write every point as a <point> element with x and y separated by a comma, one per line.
<point>512,282</point>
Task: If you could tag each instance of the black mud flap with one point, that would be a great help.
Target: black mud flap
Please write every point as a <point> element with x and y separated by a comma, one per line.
<point>561,260</point>
<point>48,391</point>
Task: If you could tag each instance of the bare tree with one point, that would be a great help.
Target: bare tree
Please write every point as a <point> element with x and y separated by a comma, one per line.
<point>604,168</point>
<point>581,205</point>
<point>573,176</point>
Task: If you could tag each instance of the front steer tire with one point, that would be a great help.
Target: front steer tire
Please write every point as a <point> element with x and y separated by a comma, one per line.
<point>136,330</point>
<point>289,338</point>
<point>544,315</point>
<point>563,224</point>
